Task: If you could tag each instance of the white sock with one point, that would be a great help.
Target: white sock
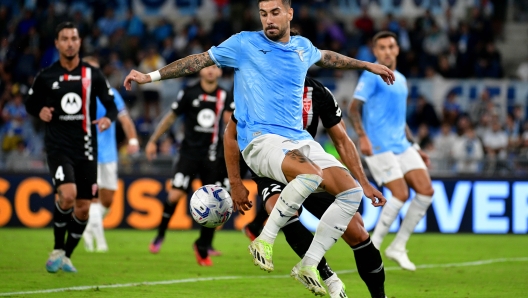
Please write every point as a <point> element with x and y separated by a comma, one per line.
<point>104,210</point>
<point>95,214</point>
<point>333,224</point>
<point>415,213</point>
<point>388,215</point>
<point>288,203</point>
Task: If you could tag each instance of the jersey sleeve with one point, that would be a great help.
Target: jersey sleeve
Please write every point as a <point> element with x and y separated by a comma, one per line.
<point>179,106</point>
<point>314,53</point>
<point>330,112</point>
<point>119,102</point>
<point>37,96</point>
<point>225,54</point>
<point>102,89</point>
<point>366,86</point>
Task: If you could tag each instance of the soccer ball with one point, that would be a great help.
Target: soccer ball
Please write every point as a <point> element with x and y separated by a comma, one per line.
<point>211,206</point>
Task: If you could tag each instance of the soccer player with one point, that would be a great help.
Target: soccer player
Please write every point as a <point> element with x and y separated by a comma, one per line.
<point>204,106</point>
<point>386,141</point>
<point>318,102</point>
<point>270,67</point>
<point>64,97</point>
<point>107,167</point>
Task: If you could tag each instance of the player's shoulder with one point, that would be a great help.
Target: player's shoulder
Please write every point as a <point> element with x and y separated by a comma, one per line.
<point>400,76</point>
<point>299,40</point>
<point>95,70</point>
<point>50,70</point>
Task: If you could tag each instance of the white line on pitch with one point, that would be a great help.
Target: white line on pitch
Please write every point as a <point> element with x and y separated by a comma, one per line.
<point>202,279</point>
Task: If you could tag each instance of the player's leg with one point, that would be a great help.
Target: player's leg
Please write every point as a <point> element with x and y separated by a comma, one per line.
<point>183,174</point>
<point>86,182</point>
<point>418,178</point>
<point>63,178</point>
<point>253,229</point>
<point>386,170</point>
<point>367,257</point>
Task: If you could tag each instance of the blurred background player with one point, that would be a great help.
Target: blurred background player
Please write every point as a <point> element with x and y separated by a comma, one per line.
<point>107,167</point>
<point>319,103</point>
<point>64,96</point>
<point>204,106</point>
<point>385,140</point>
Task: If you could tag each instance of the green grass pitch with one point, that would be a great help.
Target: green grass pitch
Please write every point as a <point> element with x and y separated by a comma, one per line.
<point>448,266</point>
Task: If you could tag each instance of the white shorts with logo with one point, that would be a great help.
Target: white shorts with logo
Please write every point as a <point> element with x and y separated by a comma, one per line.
<point>264,155</point>
<point>107,175</point>
<point>387,166</point>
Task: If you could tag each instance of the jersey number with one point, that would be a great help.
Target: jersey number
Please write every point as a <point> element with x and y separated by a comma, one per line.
<point>265,192</point>
<point>59,175</point>
<point>180,180</point>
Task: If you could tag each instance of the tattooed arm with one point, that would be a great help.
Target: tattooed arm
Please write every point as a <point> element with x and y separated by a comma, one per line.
<point>182,67</point>
<point>355,118</point>
<point>331,59</point>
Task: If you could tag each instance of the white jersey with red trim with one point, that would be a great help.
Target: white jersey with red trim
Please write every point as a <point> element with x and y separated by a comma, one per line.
<point>72,95</point>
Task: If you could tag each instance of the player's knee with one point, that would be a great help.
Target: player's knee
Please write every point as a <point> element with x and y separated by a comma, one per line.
<point>67,198</point>
<point>310,181</point>
<point>429,191</point>
<point>82,210</point>
<point>349,200</point>
<point>401,194</point>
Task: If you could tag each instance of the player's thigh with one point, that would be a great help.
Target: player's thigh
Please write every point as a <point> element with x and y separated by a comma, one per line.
<point>183,173</point>
<point>63,177</point>
<point>107,176</point>
<point>86,179</point>
<point>279,158</point>
<point>384,167</point>
<point>269,190</point>
<point>415,172</point>
<point>355,232</point>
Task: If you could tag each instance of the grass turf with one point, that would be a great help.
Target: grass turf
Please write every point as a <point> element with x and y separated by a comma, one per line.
<point>23,253</point>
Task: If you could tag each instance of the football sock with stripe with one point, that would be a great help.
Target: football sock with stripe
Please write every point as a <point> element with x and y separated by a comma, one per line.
<point>388,215</point>
<point>168,210</point>
<point>415,213</point>
<point>61,218</point>
<point>75,230</point>
<point>370,267</point>
<point>299,239</point>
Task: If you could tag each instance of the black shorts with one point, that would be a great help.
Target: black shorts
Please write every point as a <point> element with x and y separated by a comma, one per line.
<point>81,172</point>
<point>210,172</point>
<point>316,203</point>
<point>151,96</point>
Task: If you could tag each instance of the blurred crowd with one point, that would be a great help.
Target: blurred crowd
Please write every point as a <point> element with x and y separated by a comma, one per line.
<point>431,46</point>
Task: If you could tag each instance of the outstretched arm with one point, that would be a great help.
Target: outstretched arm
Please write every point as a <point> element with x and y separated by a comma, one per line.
<point>331,59</point>
<point>182,67</point>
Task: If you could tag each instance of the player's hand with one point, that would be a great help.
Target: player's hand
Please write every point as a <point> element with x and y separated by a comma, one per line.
<point>240,194</point>
<point>374,195</point>
<point>102,123</point>
<point>365,146</point>
<point>425,158</point>
<point>46,114</point>
<point>132,149</point>
<point>386,74</point>
<point>151,150</point>
<point>136,76</point>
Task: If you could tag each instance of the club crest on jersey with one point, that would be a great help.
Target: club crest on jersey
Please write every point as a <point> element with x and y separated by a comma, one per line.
<point>307,104</point>
<point>300,52</point>
<point>86,82</point>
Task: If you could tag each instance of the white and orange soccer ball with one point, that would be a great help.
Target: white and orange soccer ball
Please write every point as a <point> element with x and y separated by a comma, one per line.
<point>211,206</point>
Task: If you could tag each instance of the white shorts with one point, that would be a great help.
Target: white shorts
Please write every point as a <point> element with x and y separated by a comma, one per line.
<point>264,155</point>
<point>387,166</point>
<point>107,175</point>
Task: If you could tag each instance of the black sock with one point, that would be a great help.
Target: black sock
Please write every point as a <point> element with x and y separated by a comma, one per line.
<point>168,210</point>
<point>61,218</point>
<point>256,225</point>
<point>300,239</point>
<point>205,241</point>
<point>370,267</point>
<point>75,230</point>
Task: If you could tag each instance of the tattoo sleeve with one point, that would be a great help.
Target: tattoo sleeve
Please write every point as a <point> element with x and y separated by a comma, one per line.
<point>162,127</point>
<point>186,66</point>
<point>331,59</point>
<point>355,117</point>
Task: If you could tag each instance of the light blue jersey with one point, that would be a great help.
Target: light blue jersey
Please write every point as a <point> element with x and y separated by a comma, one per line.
<point>106,140</point>
<point>269,82</point>
<point>384,111</point>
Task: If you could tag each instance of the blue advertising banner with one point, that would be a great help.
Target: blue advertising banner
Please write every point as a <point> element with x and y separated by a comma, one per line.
<point>459,205</point>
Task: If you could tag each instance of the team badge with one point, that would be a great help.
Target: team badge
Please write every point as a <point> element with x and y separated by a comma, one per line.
<point>307,104</point>
<point>301,53</point>
<point>86,82</point>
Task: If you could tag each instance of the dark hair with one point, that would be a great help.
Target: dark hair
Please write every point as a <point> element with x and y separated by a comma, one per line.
<point>384,34</point>
<point>63,25</point>
<point>286,3</point>
<point>294,32</point>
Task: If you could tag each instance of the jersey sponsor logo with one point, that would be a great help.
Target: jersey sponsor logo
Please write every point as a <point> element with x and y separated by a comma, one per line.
<point>69,78</point>
<point>264,51</point>
<point>71,103</point>
<point>206,118</point>
<point>301,53</point>
<point>55,85</point>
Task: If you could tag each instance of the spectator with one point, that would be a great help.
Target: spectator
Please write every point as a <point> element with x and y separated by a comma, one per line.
<point>18,160</point>
<point>15,118</point>
<point>513,132</point>
<point>451,109</point>
<point>424,136</point>
<point>133,25</point>
<point>151,92</point>
<point>109,23</point>
<point>495,141</point>
<point>483,106</point>
<point>444,69</point>
<point>445,141</point>
<point>435,42</point>
<point>306,24</point>
<point>425,114</point>
<point>364,52</point>
<point>221,29</point>
<point>365,24</point>
<point>162,31</point>
<point>489,63</point>
<point>468,153</point>
<point>484,125</point>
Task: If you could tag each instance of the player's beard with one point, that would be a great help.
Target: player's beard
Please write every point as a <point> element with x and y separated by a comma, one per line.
<point>275,37</point>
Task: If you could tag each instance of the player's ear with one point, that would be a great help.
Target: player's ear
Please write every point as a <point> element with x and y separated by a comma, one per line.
<point>290,14</point>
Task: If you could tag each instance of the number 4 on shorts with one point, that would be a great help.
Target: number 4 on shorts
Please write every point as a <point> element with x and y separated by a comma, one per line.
<point>59,175</point>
